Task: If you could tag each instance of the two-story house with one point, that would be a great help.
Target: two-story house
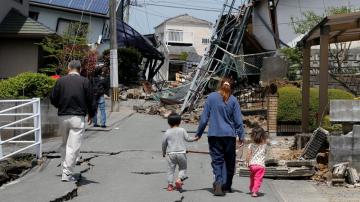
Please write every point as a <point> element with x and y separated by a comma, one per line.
<point>19,36</point>
<point>60,15</point>
<point>182,36</point>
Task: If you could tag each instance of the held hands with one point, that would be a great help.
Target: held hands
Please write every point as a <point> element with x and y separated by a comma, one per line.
<point>90,120</point>
<point>241,143</point>
<point>197,138</point>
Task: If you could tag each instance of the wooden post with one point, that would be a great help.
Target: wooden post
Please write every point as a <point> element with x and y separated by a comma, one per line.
<point>305,88</point>
<point>324,72</point>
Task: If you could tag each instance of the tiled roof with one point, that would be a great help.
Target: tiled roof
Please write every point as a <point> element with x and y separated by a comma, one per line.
<point>92,6</point>
<point>17,24</point>
<point>185,18</point>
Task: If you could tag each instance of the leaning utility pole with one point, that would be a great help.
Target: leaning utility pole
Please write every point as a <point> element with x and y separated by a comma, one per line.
<point>114,59</point>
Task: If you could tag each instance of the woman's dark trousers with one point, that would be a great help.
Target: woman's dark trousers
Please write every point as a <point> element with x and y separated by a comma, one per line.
<point>223,157</point>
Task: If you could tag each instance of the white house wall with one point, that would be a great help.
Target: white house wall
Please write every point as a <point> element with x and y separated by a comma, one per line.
<point>7,5</point>
<point>199,32</point>
<point>50,17</point>
<point>285,10</point>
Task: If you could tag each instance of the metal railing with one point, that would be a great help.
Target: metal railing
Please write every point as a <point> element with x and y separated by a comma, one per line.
<point>35,130</point>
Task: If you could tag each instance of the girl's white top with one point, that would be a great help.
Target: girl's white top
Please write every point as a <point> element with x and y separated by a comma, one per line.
<point>258,154</point>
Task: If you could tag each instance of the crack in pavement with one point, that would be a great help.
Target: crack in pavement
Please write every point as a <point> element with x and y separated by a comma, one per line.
<point>148,173</point>
<point>81,181</point>
<point>181,199</point>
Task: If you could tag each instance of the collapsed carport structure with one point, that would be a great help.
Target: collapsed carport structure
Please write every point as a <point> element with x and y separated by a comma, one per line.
<point>332,29</point>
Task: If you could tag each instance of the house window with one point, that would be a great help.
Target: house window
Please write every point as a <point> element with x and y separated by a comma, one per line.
<point>72,28</point>
<point>19,1</point>
<point>33,15</point>
<point>175,35</point>
<point>205,41</point>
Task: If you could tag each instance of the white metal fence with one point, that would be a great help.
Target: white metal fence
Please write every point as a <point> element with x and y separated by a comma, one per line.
<point>33,118</point>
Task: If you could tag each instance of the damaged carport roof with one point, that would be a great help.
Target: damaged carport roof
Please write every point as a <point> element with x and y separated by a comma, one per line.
<point>129,37</point>
<point>342,28</point>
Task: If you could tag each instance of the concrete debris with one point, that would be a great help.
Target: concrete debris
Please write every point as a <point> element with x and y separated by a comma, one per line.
<point>300,163</point>
<point>352,176</point>
<point>338,182</point>
<point>282,172</point>
<point>316,142</point>
<point>340,169</point>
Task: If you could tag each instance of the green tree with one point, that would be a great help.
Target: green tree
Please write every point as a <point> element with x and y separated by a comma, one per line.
<point>71,45</point>
<point>129,61</point>
<point>294,57</point>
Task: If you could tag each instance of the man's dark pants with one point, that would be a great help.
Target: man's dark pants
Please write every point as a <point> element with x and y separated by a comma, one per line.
<point>223,157</point>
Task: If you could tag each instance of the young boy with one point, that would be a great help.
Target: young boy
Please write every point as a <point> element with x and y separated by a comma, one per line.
<point>174,148</point>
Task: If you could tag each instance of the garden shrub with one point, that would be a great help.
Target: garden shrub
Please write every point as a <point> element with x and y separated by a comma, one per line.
<point>290,104</point>
<point>26,85</point>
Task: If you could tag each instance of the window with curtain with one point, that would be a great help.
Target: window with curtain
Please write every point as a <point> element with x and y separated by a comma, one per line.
<point>72,27</point>
<point>176,35</point>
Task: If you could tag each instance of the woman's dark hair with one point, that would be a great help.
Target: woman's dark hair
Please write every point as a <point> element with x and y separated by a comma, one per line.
<point>225,88</point>
<point>258,135</point>
<point>174,119</point>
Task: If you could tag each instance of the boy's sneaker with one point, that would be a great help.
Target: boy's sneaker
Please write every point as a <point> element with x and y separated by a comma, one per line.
<point>178,185</point>
<point>170,187</point>
<point>254,194</point>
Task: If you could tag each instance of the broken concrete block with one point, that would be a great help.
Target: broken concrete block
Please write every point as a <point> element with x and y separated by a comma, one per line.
<point>300,163</point>
<point>352,175</point>
<point>338,181</point>
<point>349,186</point>
<point>340,169</point>
<point>317,140</point>
<point>271,162</point>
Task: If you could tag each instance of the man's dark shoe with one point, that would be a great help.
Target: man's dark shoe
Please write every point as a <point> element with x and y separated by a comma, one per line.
<point>103,126</point>
<point>218,189</point>
<point>96,126</point>
<point>227,189</point>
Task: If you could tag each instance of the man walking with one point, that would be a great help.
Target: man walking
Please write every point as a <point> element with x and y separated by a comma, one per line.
<point>73,96</point>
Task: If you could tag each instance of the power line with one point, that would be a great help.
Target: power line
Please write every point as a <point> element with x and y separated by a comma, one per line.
<point>150,13</point>
<point>183,7</point>
<point>184,4</point>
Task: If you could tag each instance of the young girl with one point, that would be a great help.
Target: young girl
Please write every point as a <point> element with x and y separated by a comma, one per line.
<point>256,159</point>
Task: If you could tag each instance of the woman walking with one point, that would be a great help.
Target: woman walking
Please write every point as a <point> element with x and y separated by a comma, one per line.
<point>222,110</point>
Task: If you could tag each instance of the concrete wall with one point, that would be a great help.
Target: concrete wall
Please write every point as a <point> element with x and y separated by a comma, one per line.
<point>50,17</point>
<point>346,148</point>
<point>7,5</point>
<point>18,56</point>
<point>285,10</point>
<point>49,120</point>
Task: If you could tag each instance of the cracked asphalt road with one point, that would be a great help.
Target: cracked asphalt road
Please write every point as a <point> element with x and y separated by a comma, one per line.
<point>126,165</point>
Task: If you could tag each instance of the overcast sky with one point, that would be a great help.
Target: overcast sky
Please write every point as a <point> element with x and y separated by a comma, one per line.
<point>147,14</point>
